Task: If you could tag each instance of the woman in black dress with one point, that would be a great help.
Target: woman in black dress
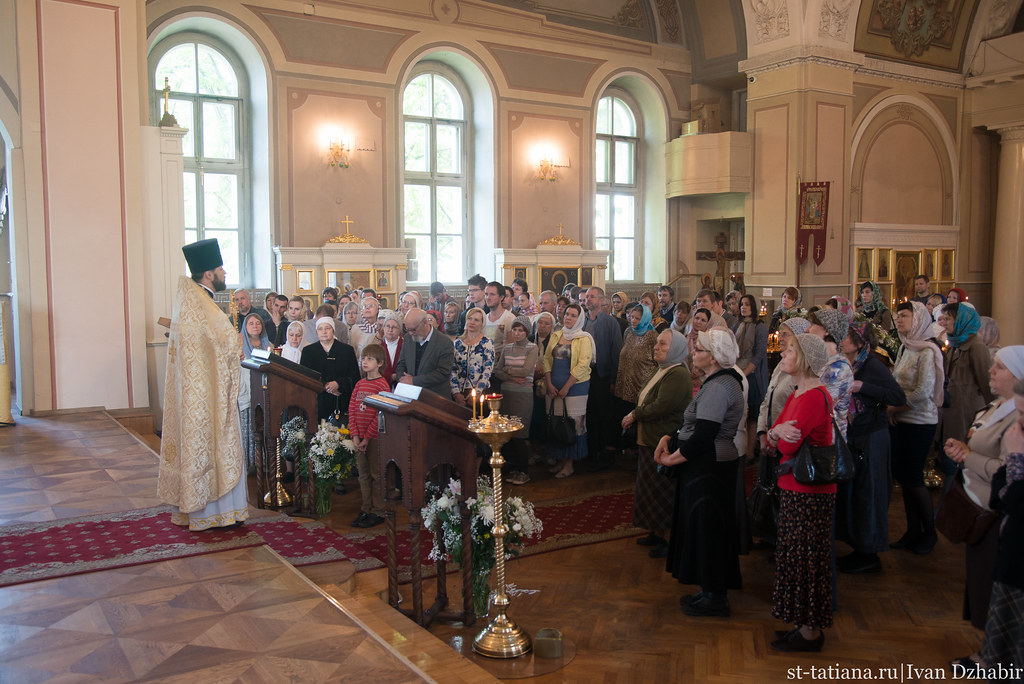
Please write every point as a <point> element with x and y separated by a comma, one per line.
<point>336,363</point>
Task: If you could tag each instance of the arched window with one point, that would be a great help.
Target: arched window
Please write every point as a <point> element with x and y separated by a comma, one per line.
<point>207,96</point>
<point>435,216</point>
<point>617,217</point>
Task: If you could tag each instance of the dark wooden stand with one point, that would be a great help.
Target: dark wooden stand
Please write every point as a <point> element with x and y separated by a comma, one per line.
<point>280,390</point>
<point>426,440</point>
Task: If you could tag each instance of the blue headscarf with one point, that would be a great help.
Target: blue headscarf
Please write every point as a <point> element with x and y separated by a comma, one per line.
<point>645,322</point>
<point>967,323</point>
<point>264,340</point>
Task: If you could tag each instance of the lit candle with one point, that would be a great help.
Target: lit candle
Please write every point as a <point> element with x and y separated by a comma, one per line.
<point>482,397</point>
<point>474,404</point>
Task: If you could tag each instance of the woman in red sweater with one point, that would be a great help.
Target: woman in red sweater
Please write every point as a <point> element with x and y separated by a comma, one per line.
<point>803,553</point>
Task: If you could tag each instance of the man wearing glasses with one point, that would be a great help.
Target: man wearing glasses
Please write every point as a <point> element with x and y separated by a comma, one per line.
<point>427,355</point>
<point>476,299</point>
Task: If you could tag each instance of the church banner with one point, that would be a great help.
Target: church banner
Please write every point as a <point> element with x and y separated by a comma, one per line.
<point>812,219</point>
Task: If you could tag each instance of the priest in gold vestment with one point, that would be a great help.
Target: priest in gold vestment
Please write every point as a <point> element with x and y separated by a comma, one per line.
<point>202,470</point>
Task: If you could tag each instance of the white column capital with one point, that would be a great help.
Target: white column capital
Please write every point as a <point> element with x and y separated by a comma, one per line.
<point>1011,133</point>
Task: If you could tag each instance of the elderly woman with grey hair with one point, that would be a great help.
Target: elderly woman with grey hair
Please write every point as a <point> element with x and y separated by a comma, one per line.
<point>703,546</point>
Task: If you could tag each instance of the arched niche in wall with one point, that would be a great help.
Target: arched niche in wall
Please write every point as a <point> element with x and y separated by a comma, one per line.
<point>903,166</point>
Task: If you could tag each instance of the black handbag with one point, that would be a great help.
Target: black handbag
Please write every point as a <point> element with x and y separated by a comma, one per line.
<point>960,519</point>
<point>763,502</point>
<point>821,465</point>
<point>561,429</point>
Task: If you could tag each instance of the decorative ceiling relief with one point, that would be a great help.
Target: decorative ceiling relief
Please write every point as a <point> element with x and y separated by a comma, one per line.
<point>915,24</point>
<point>771,19</point>
<point>631,15</point>
<point>926,32</point>
<point>833,19</point>
<point>668,11</point>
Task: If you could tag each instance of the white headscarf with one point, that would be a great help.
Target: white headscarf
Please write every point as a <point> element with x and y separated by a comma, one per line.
<point>722,345</point>
<point>1013,358</point>
<point>578,331</point>
<point>325,319</point>
<point>919,339</point>
<point>287,350</point>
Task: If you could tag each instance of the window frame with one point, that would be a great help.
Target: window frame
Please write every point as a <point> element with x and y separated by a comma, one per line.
<point>612,189</point>
<point>241,167</point>
<point>434,179</point>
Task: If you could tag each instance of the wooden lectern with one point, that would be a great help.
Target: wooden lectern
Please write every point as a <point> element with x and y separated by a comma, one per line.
<point>425,440</point>
<point>280,390</point>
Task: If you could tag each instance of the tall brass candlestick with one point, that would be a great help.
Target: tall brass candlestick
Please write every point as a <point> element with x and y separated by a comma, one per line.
<point>502,638</point>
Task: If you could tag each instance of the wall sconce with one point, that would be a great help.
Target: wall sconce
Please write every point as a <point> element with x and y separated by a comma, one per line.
<point>337,153</point>
<point>546,169</point>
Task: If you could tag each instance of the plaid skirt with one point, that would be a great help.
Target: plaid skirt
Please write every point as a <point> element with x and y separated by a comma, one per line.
<point>655,494</point>
<point>1004,631</point>
<point>803,559</point>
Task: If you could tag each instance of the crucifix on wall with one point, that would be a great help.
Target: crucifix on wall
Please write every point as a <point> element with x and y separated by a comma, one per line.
<point>721,259</point>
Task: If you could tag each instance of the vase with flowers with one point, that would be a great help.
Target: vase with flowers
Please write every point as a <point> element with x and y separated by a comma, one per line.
<point>332,456</point>
<point>443,516</point>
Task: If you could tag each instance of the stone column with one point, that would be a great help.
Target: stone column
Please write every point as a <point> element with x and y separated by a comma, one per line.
<point>1008,238</point>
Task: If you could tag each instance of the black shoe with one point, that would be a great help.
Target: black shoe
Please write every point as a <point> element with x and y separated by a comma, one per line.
<point>859,563</point>
<point>784,633</point>
<point>372,520</point>
<point>924,546</point>
<point>358,522</point>
<point>794,642</point>
<point>659,551</point>
<point>650,540</point>
<point>906,541</point>
<point>709,605</point>
<point>690,598</point>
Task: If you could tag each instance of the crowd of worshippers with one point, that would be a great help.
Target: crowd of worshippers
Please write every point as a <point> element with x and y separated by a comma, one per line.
<point>689,393</point>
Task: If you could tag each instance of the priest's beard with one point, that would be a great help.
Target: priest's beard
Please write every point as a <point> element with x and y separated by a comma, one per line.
<point>218,284</point>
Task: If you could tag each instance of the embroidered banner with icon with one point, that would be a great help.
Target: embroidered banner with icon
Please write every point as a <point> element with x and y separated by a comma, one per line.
<point>812,219</point>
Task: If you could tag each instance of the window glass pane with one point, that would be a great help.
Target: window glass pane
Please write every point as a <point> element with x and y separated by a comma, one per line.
<point>602,243</point>
<point>449,144</point>
<point>423,265</point>
<point>449,209</point>
<point>219,130</point>
<point>191,236</point>
<point>622,267</point>
<point>229,249</point>
<point>624,223</point>
<point>417,209</point>
<point>416,100</point>
<point>220,201</point>
<point>624,123</point>
<point>447,103</point>
<point>604,116</point>
<point>216,77</point>
<point>417,146</point>
<point>178,65</point>
<point>601,161</point>
<point>624,162</point>
<point>602,216</point>
<point>190,199</point>
<point>182,111</point>
<point>449,258</point>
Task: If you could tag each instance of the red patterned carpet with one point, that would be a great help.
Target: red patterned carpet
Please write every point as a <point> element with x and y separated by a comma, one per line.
<point>35,551</point>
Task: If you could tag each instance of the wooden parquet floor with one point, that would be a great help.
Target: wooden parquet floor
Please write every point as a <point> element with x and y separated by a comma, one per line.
<point>619,607</point>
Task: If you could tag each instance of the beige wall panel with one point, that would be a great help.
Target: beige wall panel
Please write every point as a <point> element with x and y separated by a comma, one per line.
<point>831,147</point>
<point>862,95</point>
<point>84,187</point>
<point>902,178</point>
<point>680,83</point>
<point>769,215</point>
<point>947,106</point>
<point>541,71</point>
<point>8,54</point>
<point>536,206</point>
<point>983,156</point>
<point>321,195</point>
<point>716,27</point>
<point>328,42</point>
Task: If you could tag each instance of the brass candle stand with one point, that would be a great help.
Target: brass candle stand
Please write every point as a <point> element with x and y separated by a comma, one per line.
<point>283,498</point>
<point>502,638</point>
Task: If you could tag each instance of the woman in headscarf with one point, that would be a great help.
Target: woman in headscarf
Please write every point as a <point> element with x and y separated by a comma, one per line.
<point>636,359</point>
<point>791,299</point>
<point>450,326</point>
<point>391,340</point>
<point>292,347</point>
<point>989,334</point>
<point>704,544</point>
<point>863,502</point>
<point>659,411</point>
<point>543,326</point>
<point>338,368</point>
<point>567,361</point>
<point>919,372</point>
<point>956,296</point>
<point>702,320</point>
<point>981,457</point>
<point>619,302</point>
<point>752,339</point>
<point>350,314</point>
<point>966,367</point>
<point>681,317</point>
<point>657,322</point>
<point>803,552</point>
<point>254,336</point>
<point>873,306</point>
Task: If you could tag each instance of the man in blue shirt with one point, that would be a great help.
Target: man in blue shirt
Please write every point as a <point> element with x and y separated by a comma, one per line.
<point>601,423</point>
